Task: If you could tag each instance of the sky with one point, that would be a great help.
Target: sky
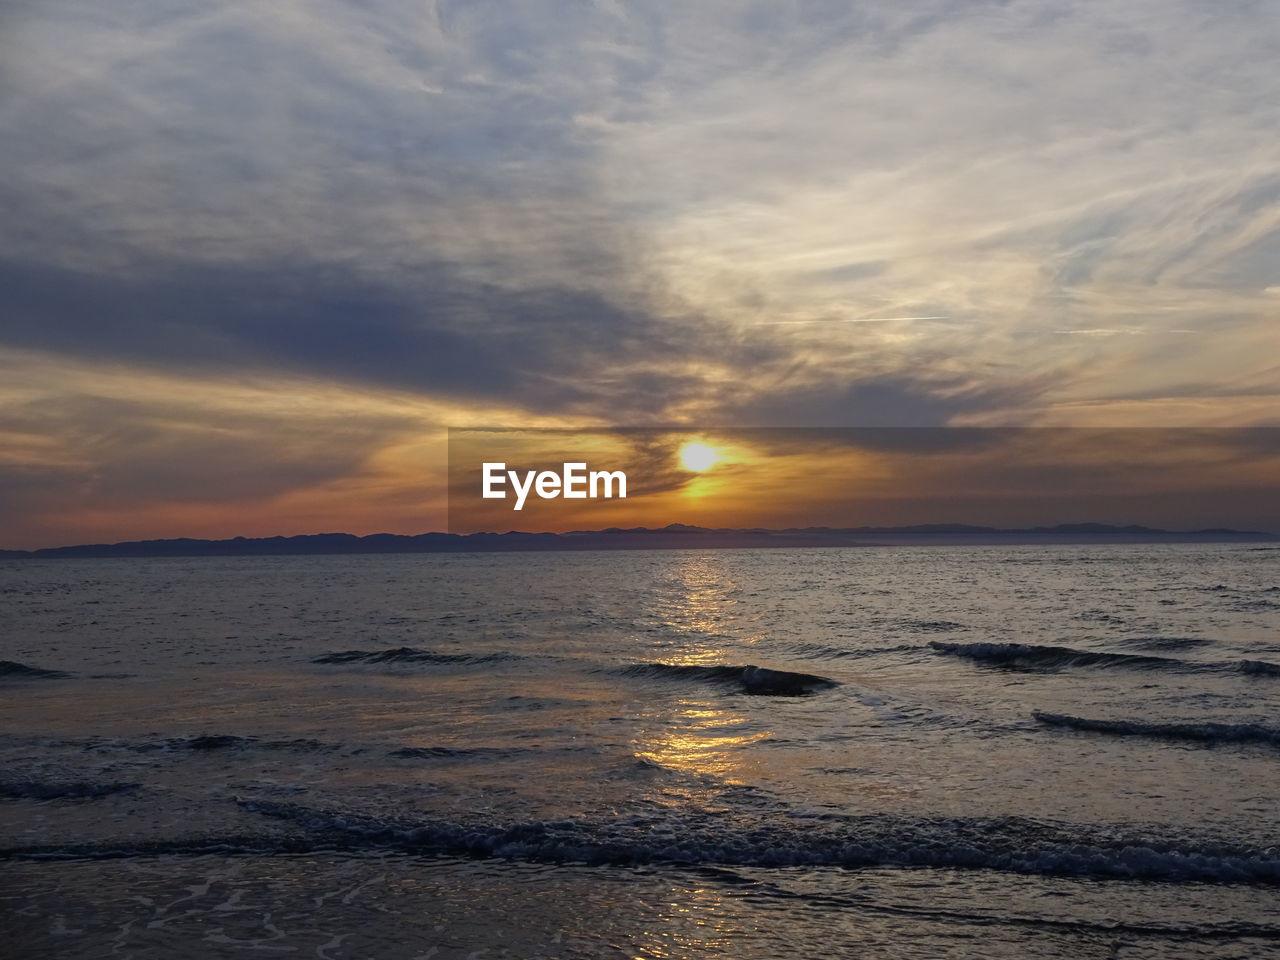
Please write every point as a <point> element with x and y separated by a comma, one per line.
<point>783,477</point>
<point>257,258</point>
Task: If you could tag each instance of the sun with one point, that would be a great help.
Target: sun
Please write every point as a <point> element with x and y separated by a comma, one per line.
<point>698,457</point>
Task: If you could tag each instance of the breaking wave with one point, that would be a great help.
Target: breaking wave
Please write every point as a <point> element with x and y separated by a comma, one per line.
<point>410,655</point>
<point>1202,732</point>
<point>10,668</point>
<point>225,741</point>
<point>1009,844</point>
<point>229,742</point>
<point>1259,668</point>
<point>36,790</point>
<point>455,753</point>
<point>749,679</point>
<point>204,742</point>
<point>817,651</point>
<point>1030,656</point>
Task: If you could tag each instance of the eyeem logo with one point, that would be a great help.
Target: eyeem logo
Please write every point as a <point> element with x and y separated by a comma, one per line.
<point>573,482</point>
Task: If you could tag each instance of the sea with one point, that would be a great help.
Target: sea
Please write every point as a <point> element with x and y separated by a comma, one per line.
<point>875,752</point>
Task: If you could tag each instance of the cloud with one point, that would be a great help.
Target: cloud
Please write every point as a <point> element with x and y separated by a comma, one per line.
<point>854,320</point>
<point>620,212</point>
<point>546,348</point>
<point>813,164</point>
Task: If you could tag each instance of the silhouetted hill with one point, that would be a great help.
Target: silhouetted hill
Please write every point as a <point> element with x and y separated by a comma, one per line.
<point>671,537</point>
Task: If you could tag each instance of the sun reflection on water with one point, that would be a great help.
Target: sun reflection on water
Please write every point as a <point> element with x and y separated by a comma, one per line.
<point>698,598</point>
<point>702,739</point>
<point>697,922</point>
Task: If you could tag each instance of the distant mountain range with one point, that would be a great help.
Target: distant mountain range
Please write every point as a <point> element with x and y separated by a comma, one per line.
<point>672,537</point>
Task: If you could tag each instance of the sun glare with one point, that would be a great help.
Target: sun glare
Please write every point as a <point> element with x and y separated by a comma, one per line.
<point>698,457</point>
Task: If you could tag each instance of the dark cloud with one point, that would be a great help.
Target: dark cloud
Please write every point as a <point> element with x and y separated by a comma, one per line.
<point>435,331</point>
<point>546,349</point>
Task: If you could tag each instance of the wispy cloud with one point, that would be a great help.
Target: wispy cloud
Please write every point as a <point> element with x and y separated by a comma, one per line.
<point>627,212</point>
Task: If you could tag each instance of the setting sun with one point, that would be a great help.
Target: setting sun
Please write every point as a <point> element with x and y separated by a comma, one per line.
<point>698,457</point>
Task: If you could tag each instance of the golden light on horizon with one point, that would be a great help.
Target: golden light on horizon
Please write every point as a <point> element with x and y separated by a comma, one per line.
<point>698,457</point>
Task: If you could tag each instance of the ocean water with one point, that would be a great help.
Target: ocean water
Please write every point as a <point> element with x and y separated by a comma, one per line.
<point>1020,751</point>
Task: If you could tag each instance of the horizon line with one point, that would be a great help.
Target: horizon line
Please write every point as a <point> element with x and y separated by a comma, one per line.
<point>948,528</point>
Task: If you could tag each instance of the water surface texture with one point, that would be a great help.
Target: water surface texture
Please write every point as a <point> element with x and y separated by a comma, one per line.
<point>1023,751</point>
